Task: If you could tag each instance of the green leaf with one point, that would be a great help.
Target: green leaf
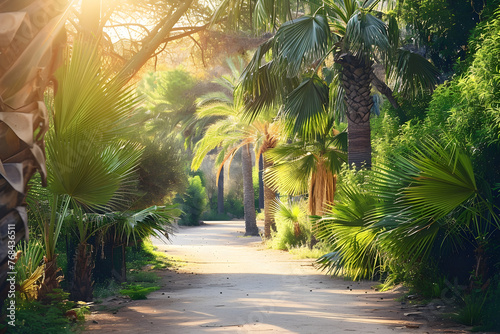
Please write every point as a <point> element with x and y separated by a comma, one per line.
<point>305,108</point>
<point>300,42</point>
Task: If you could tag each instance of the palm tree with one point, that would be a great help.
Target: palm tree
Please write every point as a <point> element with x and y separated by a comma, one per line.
<point>90,163</point>
<point>347,32</point>
<point>229,135</point>
<point>426,200</point>
<point>33,42</point>
<point>232,133</point>
<point>308,167</point>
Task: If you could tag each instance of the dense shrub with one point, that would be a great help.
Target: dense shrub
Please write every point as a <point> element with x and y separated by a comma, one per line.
<point>293,228</point>
<point>193,202</point>
<point>161,172</point>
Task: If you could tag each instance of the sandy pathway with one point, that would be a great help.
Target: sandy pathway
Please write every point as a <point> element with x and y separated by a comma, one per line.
<point>232,284</point>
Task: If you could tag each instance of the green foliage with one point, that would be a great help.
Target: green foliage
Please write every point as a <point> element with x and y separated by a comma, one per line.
<point>491,307</point>
<point>468,106</point>
<point>137,291</point>
<point>356,253</point>
<point>292,226</point>
<point>441,26</point>
<point>425,279</point>
<point>472,312</point>
<point>138,225</point>
<point>234,205</point>
<point>28,267</point>
<point>214,216</point>
<point>306,252</point>
<point>106,289</point>
<point>394,220</point>
<point>43,318</point>
<point>143,276</point>
<point>168,90</point>
<point>161,171</point>
<point>145,254</point>
<point>384,130</point>
<point>193,202</point>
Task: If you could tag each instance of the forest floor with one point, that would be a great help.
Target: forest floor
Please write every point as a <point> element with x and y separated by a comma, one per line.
<point>234,284</point>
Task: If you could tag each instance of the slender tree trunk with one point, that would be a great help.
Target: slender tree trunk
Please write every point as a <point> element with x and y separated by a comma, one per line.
<point>357,75</point>
<point>248,192</point>
<point>124,264</point>
<point>220,192</point>
<point>29,52</point>
<point>269,197</point>
<point>261,182</point>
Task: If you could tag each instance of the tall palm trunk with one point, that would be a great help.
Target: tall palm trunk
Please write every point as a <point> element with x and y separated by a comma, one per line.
<point>248,192</point>
<point>261,182</point>
<point>269,197</point>
<point>357,75</point>
<point>220,192</point>
<point>29,48</point>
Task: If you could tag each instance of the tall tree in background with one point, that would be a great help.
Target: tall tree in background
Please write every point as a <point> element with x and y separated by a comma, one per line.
<point>232,132</point>
<point>229,134</point>
<point>30,44</point>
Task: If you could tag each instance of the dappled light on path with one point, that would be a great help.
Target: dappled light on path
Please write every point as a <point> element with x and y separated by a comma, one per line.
<point>232,284</point>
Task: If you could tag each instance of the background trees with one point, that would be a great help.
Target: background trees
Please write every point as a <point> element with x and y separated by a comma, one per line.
<point>229,134</point>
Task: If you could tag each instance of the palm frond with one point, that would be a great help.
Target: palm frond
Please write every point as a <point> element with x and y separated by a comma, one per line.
<point>356,253</point>
<point>412,73</point>
<point>300,42</point>
<point>153,221</point>
<point>305,108</point>
<point>364,33</point>
<point>291,177</point>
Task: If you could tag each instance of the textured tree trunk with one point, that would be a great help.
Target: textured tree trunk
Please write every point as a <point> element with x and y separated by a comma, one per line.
<point>269,197</point>
<point>220,192</point>
<point>357,75</point>
<point>261,183</point>
<point>359,143</point>
<point>29,49</point>
<point>51,278</point>
<point>248,192</point>
<point>82,287</point>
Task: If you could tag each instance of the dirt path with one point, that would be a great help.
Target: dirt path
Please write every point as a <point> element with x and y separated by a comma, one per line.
<point>232,284</point>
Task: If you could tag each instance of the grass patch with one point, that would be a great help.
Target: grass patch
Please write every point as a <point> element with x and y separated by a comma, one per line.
<point>304,252</point>
<point>105,290</point>
<point>137,291</point>
<point>143,276</point>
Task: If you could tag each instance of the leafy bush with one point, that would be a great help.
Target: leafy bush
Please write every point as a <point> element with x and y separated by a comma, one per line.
<point>40,318</point>
<point>233,205</point>
<point>28,268</point>
<point>161,171</point>
<point>491,314</point>
<point>193,202</point>
<point>137,291</point>
<point>214,216</point>
<point>292,226</point>
<point>143,276</point>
